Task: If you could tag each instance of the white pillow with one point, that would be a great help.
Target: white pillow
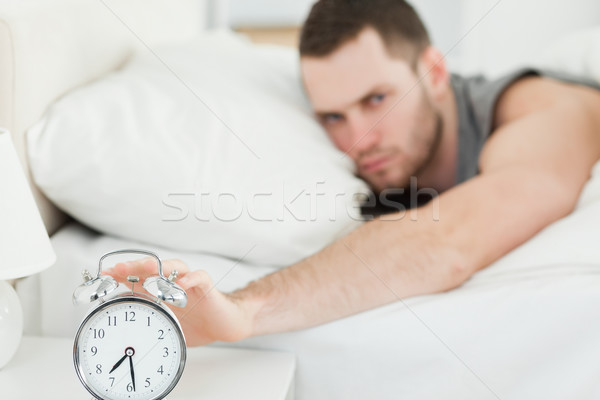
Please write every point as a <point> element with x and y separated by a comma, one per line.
<point>211,149</point>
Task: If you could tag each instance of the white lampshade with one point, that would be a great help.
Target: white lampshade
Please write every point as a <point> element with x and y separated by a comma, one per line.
<point>24,244</point>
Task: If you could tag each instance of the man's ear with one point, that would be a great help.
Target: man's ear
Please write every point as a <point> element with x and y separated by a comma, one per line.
<point>431,67</point>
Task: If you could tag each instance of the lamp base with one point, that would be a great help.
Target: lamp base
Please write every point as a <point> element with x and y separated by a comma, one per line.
<point>11,323</point>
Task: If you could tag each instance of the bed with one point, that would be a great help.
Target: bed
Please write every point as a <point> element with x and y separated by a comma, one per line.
<point>525,327</point>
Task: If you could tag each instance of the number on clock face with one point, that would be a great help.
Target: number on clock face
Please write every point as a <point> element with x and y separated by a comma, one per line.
<point>129,349</point>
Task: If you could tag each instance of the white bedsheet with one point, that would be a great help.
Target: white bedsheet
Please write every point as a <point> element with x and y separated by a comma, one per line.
<point>526,327</point>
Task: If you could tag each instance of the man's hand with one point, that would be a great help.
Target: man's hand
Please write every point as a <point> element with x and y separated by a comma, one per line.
<point>209,316</point>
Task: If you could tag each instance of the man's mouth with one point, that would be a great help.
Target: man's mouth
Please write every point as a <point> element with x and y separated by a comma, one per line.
<point>374,164</point>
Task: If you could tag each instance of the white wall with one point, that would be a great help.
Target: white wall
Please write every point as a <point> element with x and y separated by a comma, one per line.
<point>443,21</point>
<point>268,12</point>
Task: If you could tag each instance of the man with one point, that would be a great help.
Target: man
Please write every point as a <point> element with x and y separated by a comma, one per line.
<point>508,158</point>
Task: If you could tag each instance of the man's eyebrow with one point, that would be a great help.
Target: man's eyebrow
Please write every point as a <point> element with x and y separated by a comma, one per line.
<point>375,90</point>
<point>323,114</point>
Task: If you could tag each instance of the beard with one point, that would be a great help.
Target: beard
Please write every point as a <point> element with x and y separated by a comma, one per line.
<point>407,163</point>
<point>432,146</point>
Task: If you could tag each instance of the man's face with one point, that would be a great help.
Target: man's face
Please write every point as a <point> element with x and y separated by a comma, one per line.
<point>374,109</point>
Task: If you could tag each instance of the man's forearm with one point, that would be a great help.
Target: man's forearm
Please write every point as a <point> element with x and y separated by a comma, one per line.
<point>379,263</point>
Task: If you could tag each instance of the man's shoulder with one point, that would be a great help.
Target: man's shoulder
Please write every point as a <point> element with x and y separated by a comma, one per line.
<point>498,100</point>
<point>485,105</point>
<point>539,116</point>
<point>541,91</point>
<point>524,97</point>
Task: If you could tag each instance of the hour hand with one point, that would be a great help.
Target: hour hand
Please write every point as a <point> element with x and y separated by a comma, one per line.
<point>118,363</point>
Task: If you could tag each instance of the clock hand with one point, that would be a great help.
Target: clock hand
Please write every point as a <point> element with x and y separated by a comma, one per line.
<point>131,368</point>
<point>118,363</point>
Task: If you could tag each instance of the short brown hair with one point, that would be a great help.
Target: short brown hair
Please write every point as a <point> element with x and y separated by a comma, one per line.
<point>331,23</point>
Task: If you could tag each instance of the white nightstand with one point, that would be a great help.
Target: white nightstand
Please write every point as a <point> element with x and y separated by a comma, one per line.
<point>43,369</point>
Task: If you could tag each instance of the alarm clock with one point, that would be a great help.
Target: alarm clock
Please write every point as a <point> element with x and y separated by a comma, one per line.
<point>129,346</point>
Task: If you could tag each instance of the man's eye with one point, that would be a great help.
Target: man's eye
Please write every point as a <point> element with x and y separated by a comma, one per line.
<point>330,119</point>
<point>376,99</point>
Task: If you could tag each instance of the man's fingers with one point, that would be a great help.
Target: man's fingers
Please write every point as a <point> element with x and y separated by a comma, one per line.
<point>170,265</point>
<point>195,279</point>
<point>145,267</point>
<point>141,268</point>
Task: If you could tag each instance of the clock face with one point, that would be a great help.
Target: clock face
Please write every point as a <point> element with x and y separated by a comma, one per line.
<point>129,348</point>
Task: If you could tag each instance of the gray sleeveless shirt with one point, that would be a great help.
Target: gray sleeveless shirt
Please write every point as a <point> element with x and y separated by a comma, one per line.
<point>476,99</point>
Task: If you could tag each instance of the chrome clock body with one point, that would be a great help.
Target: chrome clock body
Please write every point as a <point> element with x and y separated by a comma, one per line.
<point>131,346</point>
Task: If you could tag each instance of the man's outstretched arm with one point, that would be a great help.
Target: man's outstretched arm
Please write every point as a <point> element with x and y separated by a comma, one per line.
<point>532,171</point>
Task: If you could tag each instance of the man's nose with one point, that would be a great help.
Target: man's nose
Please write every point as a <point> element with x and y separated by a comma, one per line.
<point>363,133</point>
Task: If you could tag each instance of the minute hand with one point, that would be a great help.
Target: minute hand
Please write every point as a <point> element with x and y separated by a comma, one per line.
<point>132,374</point>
